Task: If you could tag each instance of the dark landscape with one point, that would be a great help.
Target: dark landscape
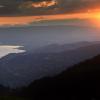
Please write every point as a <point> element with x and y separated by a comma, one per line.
<point>81,81</point>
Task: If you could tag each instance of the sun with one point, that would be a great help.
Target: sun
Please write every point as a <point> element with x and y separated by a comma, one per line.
<point>94,17</point>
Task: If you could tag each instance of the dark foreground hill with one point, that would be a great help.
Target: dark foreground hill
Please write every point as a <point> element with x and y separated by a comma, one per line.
<point>80,82</point>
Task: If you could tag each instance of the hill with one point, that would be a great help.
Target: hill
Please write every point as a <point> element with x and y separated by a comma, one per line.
<point>21,69</point>
<point>80,82</point>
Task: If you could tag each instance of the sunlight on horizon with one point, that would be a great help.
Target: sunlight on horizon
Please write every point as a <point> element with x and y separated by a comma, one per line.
<point>91,16</point>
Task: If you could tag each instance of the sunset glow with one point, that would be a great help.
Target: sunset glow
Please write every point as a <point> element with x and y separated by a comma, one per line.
<point>93,16</point>
<point>44,4</point>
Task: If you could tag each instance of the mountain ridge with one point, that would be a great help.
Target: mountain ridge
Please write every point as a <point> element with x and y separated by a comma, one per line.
<point>82,81</point>
<point>21,69</point>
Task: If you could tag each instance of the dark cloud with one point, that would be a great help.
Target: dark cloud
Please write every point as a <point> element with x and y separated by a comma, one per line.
<point>24,7</point>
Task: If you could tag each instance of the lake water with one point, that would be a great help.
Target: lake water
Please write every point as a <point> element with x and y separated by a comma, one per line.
<point>7,49</point>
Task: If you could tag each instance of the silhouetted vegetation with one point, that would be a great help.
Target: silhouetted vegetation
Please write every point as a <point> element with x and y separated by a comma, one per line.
<point>80,82</point>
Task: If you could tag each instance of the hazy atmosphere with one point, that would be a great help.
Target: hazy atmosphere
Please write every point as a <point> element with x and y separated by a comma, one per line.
<point>33,37</point>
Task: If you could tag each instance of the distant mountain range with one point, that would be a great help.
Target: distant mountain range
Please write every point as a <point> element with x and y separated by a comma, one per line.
<point>56,48</point>
<point>21,69</point>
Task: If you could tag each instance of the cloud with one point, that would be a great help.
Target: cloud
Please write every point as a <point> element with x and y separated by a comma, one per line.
<point>38,7</point>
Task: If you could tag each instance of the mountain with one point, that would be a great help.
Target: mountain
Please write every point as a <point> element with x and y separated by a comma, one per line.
<point>56,48</point>
<point>79,82</point>
<point>17,70</point>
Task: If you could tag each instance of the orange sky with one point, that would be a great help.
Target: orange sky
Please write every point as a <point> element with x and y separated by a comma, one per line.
<point>27,19</point>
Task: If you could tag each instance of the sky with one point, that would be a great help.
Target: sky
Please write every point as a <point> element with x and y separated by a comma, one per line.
<point>26,11</point>
<point>41,7</point>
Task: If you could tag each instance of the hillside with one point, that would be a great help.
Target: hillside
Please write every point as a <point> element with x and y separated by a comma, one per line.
<point>21,69</point>
<point>80,82</point>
